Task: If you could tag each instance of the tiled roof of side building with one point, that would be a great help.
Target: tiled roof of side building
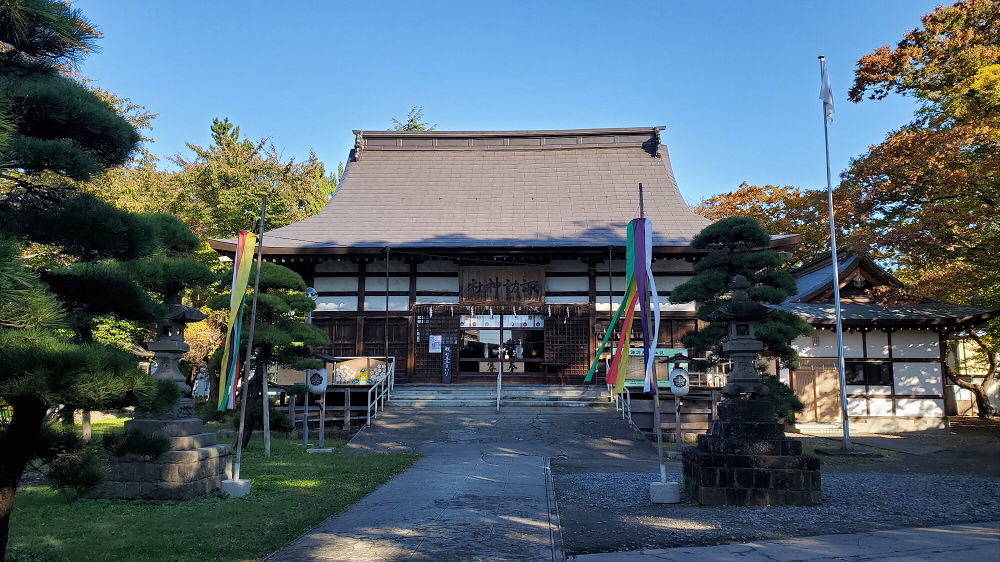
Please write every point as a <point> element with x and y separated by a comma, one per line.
<point>496,189</point>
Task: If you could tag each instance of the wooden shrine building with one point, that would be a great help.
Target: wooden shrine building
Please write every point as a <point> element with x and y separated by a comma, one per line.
<point>895,355</point>
<point>507,246</point>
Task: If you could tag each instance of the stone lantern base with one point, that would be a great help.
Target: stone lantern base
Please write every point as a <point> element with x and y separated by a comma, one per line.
<point>194,466</point>
<point>747,460</point>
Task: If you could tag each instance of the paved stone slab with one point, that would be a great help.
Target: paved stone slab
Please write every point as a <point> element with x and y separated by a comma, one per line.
<point>969,543</point>
<point>482,491</point>
<point>459,506</point>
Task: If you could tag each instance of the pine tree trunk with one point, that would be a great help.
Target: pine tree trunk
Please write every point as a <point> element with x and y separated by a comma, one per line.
<point>255,387</point>
<point>17,447</point>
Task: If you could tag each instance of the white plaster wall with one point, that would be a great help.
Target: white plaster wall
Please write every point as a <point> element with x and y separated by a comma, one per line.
<point>666,284</point>
<point>855,389</point>
<point>376,302</point>
<point>337,303</point>
<point>915,343</point>
<point>885,390</point>
<point>917,378</point>
<point>880,407</point>
<point>566,265</point>
<point>602,305</point>
<point>878,344</point>
<point>437,266</point>
<point>335,266</point>
<point>583,299</point>
<point>919,407</point>
<point>617,284</point>
<point>785,376</point>
<point>853,347</point>
<point>423,299</point>
<point>568,284</point>
<point>335,284</point>
<point>394,265</point>
<point>823,343</point>
<point>377,284</point>
<point>672,265</point>
<point>857,406</point>
<point>437,284</point>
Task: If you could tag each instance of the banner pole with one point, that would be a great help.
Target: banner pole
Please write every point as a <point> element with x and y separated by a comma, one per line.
<point>246,364</point>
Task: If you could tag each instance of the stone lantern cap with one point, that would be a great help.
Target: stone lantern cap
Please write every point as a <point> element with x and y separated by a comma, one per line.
<point>741,308</point>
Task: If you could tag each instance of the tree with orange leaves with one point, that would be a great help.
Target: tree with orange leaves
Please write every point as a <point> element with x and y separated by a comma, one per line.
<point>929,195</point>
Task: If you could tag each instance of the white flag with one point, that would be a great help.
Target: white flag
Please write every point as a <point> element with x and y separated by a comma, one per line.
<point>826,92</point>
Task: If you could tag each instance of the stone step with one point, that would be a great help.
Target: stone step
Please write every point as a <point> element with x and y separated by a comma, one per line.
<point>452,403</point>
<point>196,441</point>
<point>486,395</point>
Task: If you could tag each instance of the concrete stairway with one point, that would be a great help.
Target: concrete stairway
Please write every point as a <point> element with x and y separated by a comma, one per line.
<point>533,396</point>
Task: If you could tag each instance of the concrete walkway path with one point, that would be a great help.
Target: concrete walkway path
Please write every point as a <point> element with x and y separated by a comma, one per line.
<point>482,491</point>
<point>974,542</point>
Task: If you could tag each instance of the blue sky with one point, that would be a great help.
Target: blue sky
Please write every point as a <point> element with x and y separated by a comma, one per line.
<point>735,83</point>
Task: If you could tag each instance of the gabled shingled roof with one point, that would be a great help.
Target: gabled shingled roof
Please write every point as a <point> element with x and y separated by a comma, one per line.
<point>814,303</point>
<point>495,189</point>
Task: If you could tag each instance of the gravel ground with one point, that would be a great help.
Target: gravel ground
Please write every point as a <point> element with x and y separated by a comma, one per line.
<point>610,511</point>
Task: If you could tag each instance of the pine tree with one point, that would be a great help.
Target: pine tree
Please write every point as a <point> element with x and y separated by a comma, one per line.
<point>281,335</point>
<point>739,246</point>
<point>57,132</point>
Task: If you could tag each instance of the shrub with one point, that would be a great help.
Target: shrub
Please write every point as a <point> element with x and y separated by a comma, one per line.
<point>74,473</point>
<point>786,403</point>
<point>127,442</point>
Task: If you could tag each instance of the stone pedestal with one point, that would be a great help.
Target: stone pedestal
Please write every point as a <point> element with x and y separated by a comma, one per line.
<point>747,460</point>
<point>194,466</point>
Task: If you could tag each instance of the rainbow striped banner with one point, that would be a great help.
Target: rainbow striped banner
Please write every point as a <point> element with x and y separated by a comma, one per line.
<point>247,243</point>
<point>640,289</point>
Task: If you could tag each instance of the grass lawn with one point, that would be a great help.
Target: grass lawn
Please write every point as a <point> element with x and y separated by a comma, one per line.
<point>292,491</point>
<point>108,424</point>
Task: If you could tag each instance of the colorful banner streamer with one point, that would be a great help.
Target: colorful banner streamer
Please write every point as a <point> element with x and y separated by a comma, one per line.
<point>247,243</point>
<point>640,289</point>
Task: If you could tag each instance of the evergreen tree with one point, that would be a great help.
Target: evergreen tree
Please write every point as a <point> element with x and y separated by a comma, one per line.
<point>57,133</point>
<point>739,246</point>
<point>414,121</point>
<point>281,335</point>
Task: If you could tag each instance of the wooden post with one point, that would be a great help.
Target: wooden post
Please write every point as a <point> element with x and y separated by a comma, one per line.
<point>322,421</point>
<point>678,438</point>
<point>347,409</point>
<point>305,420</point>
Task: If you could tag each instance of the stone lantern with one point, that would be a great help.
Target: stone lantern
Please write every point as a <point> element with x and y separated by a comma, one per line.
<point>742,345</point>
<point>168,348</point>
<point>195,465</point>
<point>746,459</point>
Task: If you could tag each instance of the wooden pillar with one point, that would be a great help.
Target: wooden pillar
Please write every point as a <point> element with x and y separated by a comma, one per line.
<point>359,335</point>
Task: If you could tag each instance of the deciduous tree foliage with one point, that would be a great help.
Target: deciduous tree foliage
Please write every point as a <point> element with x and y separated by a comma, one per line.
<point>781,210</point>
<point>929,195</point>
<point>739,246</point>
<point>222,186</point>
<point>925,200</point>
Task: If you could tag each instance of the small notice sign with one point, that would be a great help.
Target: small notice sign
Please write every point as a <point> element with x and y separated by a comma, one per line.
<point>434,346</point>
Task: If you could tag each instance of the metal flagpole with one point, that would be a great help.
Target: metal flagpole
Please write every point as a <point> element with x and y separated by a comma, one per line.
<point>827,96</point>
<point>246,364</point>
